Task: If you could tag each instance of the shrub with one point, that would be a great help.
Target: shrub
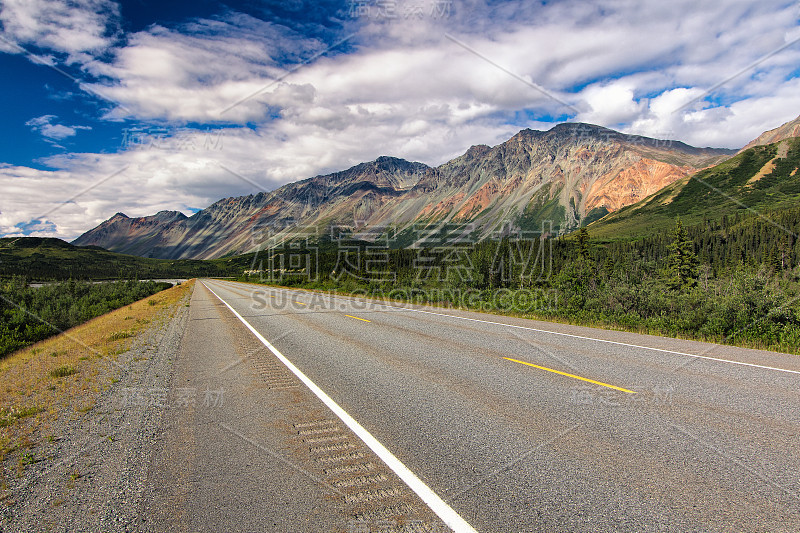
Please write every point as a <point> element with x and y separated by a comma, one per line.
<point>63,371</point>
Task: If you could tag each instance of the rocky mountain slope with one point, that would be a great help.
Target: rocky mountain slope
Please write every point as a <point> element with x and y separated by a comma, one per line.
<point>567,176</point>
<point>231,225</point>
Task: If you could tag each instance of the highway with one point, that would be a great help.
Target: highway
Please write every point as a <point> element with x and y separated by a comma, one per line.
<point>499,424</point>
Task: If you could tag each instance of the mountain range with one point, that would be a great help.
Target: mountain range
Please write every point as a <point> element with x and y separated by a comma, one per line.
<point>571,175</point>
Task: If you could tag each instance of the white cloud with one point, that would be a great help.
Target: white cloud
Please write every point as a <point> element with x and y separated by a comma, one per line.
<point>196,72</point>
<point>610,104</point>
<point>74,27</point>
<point>727,126</point>
<point>44,125</point>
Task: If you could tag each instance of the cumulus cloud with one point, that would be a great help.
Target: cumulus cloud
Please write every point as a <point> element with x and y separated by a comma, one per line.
<point>45,126</point>
<point>610,104</point>
<point>195,72</point>
<point>729,126</point>
<point>77,28</point>
<point>230,70</point>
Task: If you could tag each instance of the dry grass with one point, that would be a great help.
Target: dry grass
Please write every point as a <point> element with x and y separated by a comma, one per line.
<point>62,377</point>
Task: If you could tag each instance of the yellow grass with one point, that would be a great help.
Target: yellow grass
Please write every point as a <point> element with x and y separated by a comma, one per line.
<point>62,377</point>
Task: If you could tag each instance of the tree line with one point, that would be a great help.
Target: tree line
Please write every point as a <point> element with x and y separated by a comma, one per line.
<point>734,280</point>
<point>33,314</point>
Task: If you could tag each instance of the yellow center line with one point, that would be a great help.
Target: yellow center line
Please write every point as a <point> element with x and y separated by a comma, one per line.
<point>363,319</point>
<point>571,376</point>
<point>300,303</point>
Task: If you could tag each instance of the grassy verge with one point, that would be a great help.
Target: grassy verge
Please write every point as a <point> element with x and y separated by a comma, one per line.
<point>61,378</point>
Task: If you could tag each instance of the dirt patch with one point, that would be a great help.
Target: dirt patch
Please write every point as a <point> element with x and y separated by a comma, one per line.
<point>766,170</point>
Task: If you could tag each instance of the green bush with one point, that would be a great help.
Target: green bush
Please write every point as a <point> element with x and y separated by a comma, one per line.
<point>63,371</point>
<point>29,315</point>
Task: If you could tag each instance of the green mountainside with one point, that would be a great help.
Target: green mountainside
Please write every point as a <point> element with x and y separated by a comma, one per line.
<point>47,259</point>
<point>758,180</point>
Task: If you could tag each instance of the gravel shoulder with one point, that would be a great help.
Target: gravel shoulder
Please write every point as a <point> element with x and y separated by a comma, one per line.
<point>91,466</point>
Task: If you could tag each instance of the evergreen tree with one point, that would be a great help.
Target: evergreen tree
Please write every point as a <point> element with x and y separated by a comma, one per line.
<point>682,262</point>
<point>783,252</point>
<point>583,244</point>
<point>772,259</point>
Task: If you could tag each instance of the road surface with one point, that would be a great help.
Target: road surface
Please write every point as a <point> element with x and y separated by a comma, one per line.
<point>503,424</point>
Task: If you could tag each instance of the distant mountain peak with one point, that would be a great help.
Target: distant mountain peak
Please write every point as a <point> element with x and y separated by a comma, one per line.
<point>477,150</point>
<point>167,215</point>
<point>382,159</point>
<point>578,126</point>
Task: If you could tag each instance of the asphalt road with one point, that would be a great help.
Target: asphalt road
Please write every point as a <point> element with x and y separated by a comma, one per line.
<point>515,425</point>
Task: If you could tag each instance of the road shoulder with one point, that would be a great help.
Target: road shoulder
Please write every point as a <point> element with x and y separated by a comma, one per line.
<point>88,449</point>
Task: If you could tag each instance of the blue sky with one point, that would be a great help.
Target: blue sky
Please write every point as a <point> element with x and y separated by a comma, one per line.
<point>141,106</point>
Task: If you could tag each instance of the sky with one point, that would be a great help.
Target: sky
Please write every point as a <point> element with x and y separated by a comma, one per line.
<point>141,106</point>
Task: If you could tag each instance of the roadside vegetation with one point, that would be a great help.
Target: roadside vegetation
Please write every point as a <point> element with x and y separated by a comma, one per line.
<point>32,314</point>
<point>735,281</point>
<point>61,378</point>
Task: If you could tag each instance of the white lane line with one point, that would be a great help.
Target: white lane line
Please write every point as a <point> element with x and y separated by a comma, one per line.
<point>591,339</point>
<point>431,499</point>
